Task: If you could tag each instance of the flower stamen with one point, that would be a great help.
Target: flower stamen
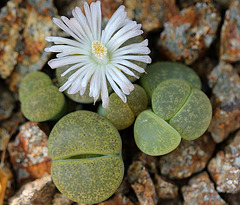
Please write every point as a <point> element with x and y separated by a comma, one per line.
<point>99,49</point>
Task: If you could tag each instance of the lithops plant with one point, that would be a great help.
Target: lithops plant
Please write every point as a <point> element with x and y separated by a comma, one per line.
<point>121,114</point>
<point>86,152</point>
<point>179,110</point>
<point>160,71</point>
<point>40,99</point>
<point>186,109</point>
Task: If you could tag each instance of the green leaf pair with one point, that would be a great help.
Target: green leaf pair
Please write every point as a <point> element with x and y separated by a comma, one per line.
<point>40,99</point>
<point>179,110</point>
<point>86,151</point>
<point>121,114</point>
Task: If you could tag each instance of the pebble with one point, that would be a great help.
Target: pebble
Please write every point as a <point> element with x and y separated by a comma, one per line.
<point>150,162</point>
<point>230,34</point>
<point>117,199</point>
<point>7,103</point>
<point>108,7</point>
<point>38,192</point>
<point>188,35</point>
<point>6,182</point>
<point>186,3</point>
<point>232,199</point>
<point>10,189</point>
<point>224,168</point>
<point>225,83</point>
<point>200,190</point>
<point>61,199</point>
<point>33,21</point>
<point>151,14</point>
<point>224,3</point>
<point>165,189</point>
<point>62,6</point>
<point>4,137</point>
<point>124,188</point>
<point>188,158</point>
<point>9,33</point>
<point>142,184</point>
<point>15,118</point>
<point>7,126</point>
<point>220,3</point>
<point>29,153</point>
<point>203,68</point>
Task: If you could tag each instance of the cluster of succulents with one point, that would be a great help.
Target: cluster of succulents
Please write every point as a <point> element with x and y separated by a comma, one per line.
<point>86,146</point>
<point>179,109</point>
<point>86,151</point>
<point>40,99</point>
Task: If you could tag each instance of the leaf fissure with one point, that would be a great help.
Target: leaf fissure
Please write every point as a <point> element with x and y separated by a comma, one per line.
<point>186,99</point>
<point>85,156</point>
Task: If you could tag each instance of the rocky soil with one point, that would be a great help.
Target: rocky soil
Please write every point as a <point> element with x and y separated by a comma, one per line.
<point>203,34</point>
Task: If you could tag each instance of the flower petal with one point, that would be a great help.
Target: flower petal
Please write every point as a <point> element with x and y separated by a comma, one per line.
<point>76,85</point>
<point>115,87</point>
<point>115,44</point>
<point>65,28</point>
<point>91,70</point>
<point>97,19</point>
<point>118,18</point>
<point>61,40</point>
<point>77,13</point>
<point>104,90</point>
<point>130,65</point>
<point>78,65</point>
<point>144,59</point>
<point>135,48</point>
<point>68,60</point>
<point>121,80</point>
<point>126,70</point>
<point>95,85</point>
<point>65,86</point>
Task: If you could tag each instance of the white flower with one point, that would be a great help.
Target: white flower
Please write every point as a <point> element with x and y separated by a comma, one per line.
<point>96,54</point>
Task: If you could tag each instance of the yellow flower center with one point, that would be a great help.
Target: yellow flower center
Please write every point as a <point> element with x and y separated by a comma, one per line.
<point>99,49</point>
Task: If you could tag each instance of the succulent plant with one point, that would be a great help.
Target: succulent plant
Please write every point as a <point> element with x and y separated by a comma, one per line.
<point>160,71</point>
<point>86,152</point>
<point>179,110</point>
<point>121,114</point>
<point>40,99</point>
<point>186,109</point>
